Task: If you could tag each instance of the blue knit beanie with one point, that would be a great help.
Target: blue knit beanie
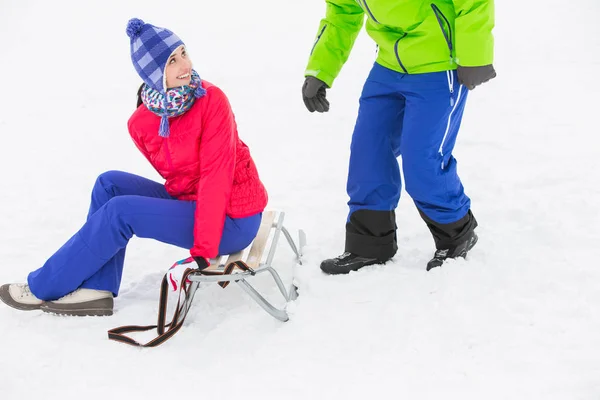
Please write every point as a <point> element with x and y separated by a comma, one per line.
<point>151,47</point>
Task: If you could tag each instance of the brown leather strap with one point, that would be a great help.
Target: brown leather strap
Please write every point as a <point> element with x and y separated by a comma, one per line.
<point>228,270</point>
<point>118,334</point>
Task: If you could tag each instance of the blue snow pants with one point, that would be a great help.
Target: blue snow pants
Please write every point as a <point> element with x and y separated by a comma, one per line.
<point>416,117</point>
<point>124,205</point>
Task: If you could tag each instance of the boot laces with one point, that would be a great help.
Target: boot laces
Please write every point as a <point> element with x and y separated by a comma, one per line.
<point>441,254</point>
<point>25,291</point>
<point>343,256</point>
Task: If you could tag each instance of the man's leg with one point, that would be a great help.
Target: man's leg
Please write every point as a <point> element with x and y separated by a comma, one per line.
<point>434,109</point>
<point>374,182</point>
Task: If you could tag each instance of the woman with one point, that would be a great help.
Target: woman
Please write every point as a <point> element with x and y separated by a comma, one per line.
<point>211,202</point>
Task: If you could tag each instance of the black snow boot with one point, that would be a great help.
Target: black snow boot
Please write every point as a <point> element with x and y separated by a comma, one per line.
<point>347,262</point>
<point>460,250</point>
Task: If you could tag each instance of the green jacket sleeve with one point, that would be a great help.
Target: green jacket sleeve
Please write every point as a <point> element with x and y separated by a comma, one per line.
<point>474,41</point>
<point>336,35</point>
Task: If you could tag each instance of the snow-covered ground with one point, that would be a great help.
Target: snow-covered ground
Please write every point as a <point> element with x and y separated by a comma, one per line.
<point>518,320</point>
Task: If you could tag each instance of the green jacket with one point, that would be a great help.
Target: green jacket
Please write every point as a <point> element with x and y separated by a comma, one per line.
<point>413,36</point>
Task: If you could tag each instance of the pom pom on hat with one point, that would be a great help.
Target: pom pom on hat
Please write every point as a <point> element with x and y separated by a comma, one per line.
<point>134,27</point>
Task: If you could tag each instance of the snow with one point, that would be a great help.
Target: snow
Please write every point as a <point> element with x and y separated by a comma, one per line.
<point>518,319</point>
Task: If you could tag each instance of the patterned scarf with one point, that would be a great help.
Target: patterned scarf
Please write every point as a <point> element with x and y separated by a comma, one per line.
<point>174,102</point>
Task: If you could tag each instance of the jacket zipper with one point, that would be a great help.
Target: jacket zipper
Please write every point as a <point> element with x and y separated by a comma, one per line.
<point>447,36</point>
<point>397,56</point>
<point>318,38</point>
<point>368,10</point>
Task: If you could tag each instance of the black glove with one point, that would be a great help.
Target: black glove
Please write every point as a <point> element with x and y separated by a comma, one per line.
<point>313,94</point>
<point>201,261</point>
<point>475,76</point>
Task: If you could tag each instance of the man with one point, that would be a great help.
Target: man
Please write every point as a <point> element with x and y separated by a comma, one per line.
<point>431,53</point>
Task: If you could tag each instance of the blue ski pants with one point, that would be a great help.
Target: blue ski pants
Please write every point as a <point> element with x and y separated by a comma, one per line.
<point>124,205</point>
<point>416,117</point>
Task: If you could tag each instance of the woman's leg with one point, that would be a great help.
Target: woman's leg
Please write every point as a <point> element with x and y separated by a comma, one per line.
<point>108,231</point>
<point>118,183</point>
<point>108,185</point>
<point>238,233</point>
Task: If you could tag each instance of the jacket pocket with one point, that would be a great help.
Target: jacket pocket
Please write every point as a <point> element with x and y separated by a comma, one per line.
<point>318,38</point>
<point>397,55</point>
<point>444,26</point>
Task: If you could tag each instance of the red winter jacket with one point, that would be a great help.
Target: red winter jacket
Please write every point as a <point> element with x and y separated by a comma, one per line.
<point>204,160</point>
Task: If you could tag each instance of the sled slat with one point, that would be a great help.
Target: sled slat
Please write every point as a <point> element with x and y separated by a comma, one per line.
<point>259,243</point>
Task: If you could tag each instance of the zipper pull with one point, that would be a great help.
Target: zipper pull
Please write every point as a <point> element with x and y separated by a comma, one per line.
<point>450,76</point>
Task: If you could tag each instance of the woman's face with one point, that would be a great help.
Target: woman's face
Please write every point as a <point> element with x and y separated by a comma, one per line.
<point>178,71</point>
